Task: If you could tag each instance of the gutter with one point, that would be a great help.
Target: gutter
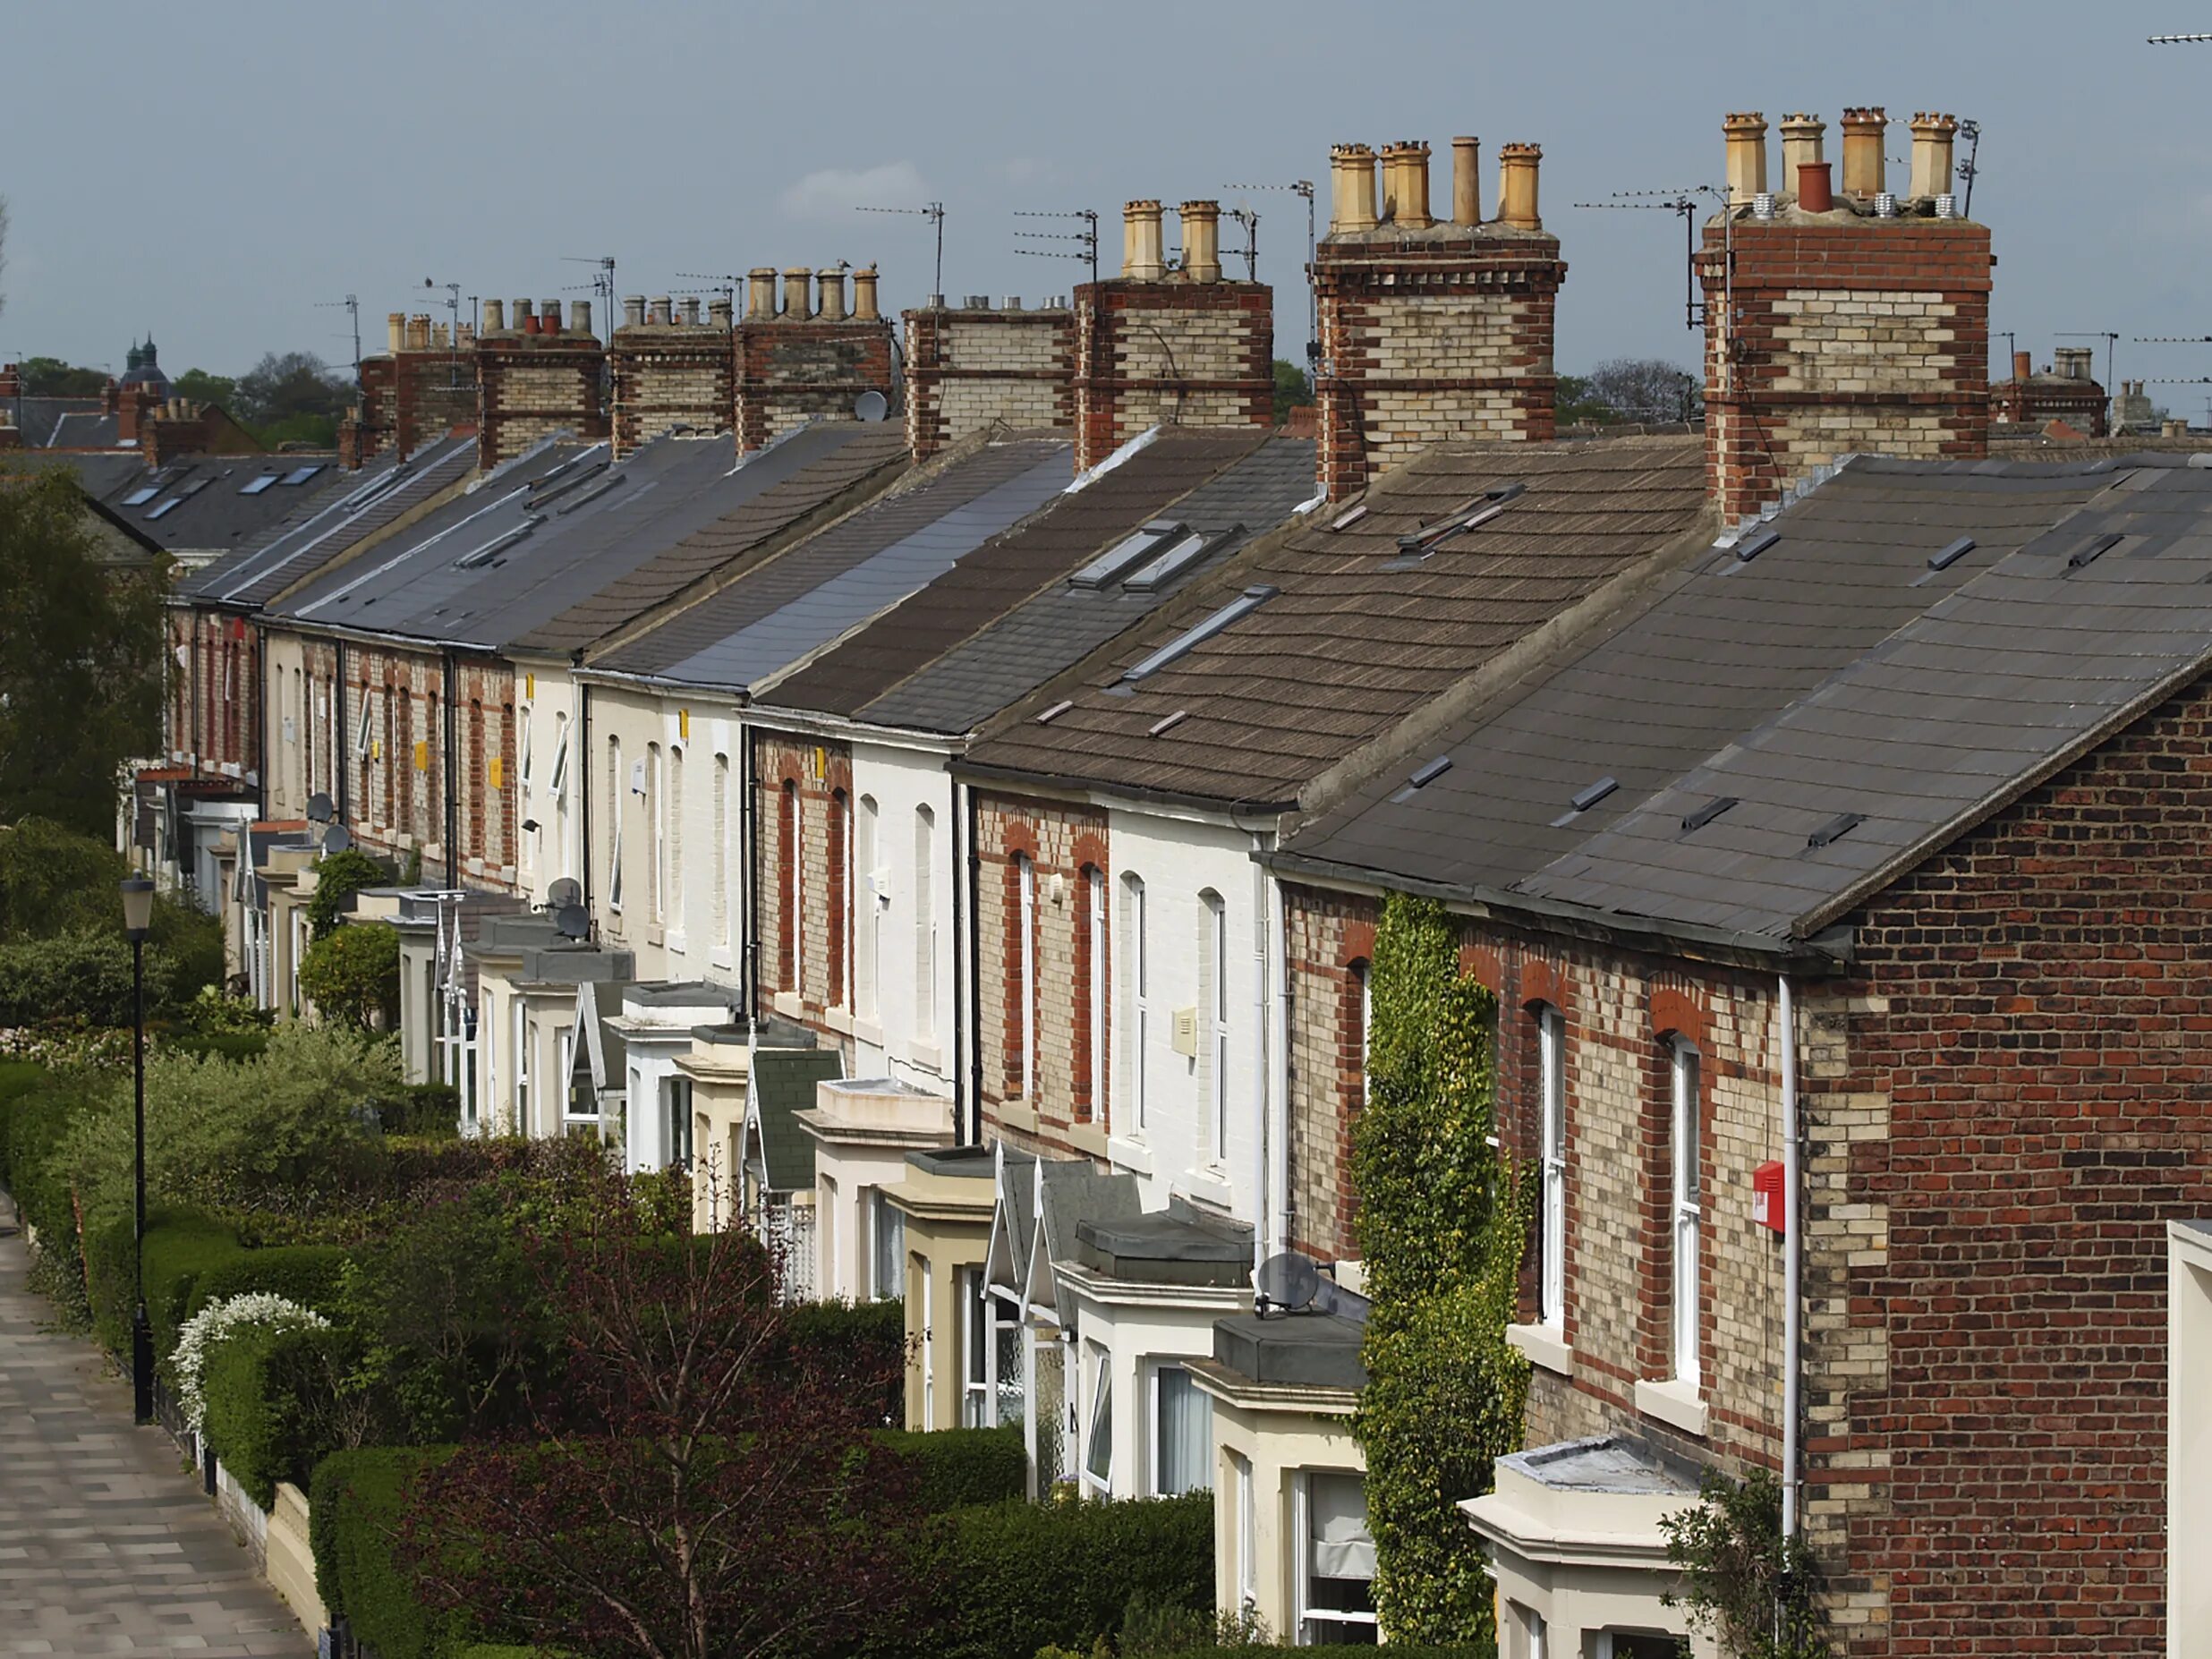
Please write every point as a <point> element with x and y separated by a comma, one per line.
<point>1099,794</point>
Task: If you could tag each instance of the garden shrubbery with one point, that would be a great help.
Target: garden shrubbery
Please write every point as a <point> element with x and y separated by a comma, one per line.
<point>955,1467</point>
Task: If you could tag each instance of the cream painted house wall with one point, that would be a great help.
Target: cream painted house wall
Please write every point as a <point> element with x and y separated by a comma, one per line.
<point>903,1022</point>
<point>1136,1329</point>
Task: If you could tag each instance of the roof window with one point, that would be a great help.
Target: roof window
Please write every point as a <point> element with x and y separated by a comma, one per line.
<point>1179,558</point>
<point>301,474</point>
<point>254,487</point>
<point>1412,549</point>
<point>140,498</point>
<point>1192,637</point>
<point>1127,554</point>
<point>168,505</point>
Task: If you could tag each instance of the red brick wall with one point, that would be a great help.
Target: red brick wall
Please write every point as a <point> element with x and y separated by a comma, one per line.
<point>1063,841</point>
<point>215,704</point>
<point>2043,399</point>
<point>1180,353</point>
<point>802,951</point>
<point>1826,339</point>
<point>790,371</point>
<point>1429,337</point>
<point>531,386</point>
<point>410,399</point>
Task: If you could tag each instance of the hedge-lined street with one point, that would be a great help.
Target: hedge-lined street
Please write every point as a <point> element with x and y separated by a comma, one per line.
<point>106,1544</point>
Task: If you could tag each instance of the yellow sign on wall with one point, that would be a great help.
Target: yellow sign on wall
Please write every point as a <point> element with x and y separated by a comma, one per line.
<point>683,724</point>
<point>422,755</point>
<point>496,770</point>
<point>529,685</point>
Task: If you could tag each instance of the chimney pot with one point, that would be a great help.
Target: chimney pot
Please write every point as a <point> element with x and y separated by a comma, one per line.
<point>395,332</point>
<point>1932,136</point>
<point>865,295</point>
<point>1814,193</point>
<point>720,312</point>
<point>465,335</point>
<point>798,282</point>
<point>437,338</point>
<point>1467,185</point>
<point>1351,179</point>
<point>1747,156</point>
<point>1516,185</point>
<point>662,310</point>
<point>495,316</point>
<point>831,288</point>
<point>531,324</point>
<point>580,317</point>
<point>1141,256</point>
<point>1801,147</point>
<point>634,311</point>
<point>1202,241</point>
<point>418,332</point>
<point>761,293</point>
<point>2021,361</point>
<point>550,316</point>
<point>1863,164</point>
<point>1404,186</point>
<point>691,311</point>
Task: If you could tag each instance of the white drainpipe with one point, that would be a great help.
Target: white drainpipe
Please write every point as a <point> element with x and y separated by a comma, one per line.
<point>1279,1058</point>
<point>1793,1252</point>
<point>1262,1054</point>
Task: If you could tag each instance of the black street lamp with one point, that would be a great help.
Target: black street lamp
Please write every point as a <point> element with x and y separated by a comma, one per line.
<point>138,917</point>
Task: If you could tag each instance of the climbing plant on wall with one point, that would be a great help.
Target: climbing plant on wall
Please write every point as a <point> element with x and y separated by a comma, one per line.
<point>1440,1227</point>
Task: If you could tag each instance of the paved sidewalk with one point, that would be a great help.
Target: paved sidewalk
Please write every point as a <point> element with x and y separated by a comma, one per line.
<point>106,1544</point>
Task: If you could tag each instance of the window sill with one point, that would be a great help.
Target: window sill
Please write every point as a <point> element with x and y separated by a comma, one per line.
<point>924,1057</point>
<point>653,934</point>
<point>868,1032</point>
<point>1132,1155</point>
<point>675,943</point>
<point>1088,1139</point>
<point>1674,1402</point>
<point>787,1003</point>
<point>1544,1346</point>
<point>838,1020</point>
<point>720,956</point>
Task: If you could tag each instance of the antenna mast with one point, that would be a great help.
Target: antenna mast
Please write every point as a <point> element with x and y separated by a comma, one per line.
<point>601,285</point>
<point>1085,239</point>
<point>2105,335</point>
<point>935,214</point>
<point>1683,203</point>
<point>1303,187</point>
<point>351,302</point>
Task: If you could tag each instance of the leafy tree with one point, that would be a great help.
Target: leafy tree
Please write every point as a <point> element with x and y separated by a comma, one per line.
<point>50,377</point>
<point>1631,389</point>
<point>1293,390</point>
<point>338,876</point>
<point>56,882</point>
<point>289,389</point>
<point>696,1487</point>
<point>353,975</point>
<point>1753,1588</point>
<point>79,658</point>
<point>202,388</point>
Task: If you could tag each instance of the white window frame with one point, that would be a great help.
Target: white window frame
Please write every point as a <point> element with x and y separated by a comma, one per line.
<point>867,908</point>
<point>672,817</point>
<point>1101,1030</point>
<point>977,1355</point>
<point>1101,1416</point>
<point>881,1211</point>
<point>1302,1610</point>
<point>1247,1532</point>
<point>718,900</point>
<point>929,1351</point>
<point>1551,1142</point>
<point>656,819</point>
<point>1684,1078</point>
<point>798,891</point>
<point>364,726</point>
<point>846,951</point>
<point>1137,952</point>
<point>617,799</point>
<point>926,1012</point>
<point>1027,867</point>
<point>557,780</point>
<point>1157,1435</point>
<point>521,1035</point>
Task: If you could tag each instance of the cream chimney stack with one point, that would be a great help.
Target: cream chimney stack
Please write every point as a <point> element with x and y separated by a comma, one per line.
<point>1516,185</point>
<point>798,293</point>
<point>1467,182</point>
<point>395,332</point>
<point>1404,186</point>
<point>721,313</point>
<point>1141,256</point>
<point>1747,156</point>
<point>463,336</point>
<point>759,293</point>
<point>1863,174</point>
<point>634,311</point>
<point>1202,240</point>
<point>832,306</point>
<point>418,332</point>
<point>691,311</point>
<point>1801,136</point>
<point>1931,153</point>
<point>663,311</point>
<point>495,316</point>
<point>1351,177</point>
<point>865,295</point>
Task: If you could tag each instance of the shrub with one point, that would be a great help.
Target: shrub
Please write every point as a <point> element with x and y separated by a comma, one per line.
<point>353,975</point>
<point>264,1412</point>
<point>354,1500</point>
<point>338,876</point>
<point>430,1110</point>
<point>955,1467</point>
<point>1002,1580</point>
<point>82,975</point>
<point>206,1333</point>
<point>181,1244</point>
<point>871,1335</point>
<point>18,1080</point>
<point>231,1045</point>
<point>308,1274</point>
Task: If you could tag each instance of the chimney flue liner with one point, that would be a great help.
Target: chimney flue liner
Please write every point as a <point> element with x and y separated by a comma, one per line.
<point>1745,134</point>
<point>1814,192</point>
<point>1516,185</point>
<point>1142,258</point>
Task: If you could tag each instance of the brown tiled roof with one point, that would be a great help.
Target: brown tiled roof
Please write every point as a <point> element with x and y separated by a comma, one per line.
<point>1010,568</point>
<point>829,465</point>
<point>1355,636</point>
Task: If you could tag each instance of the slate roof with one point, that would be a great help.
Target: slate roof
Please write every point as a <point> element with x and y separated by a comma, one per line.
<point>808,472</point>
<point>1347,633</point>
<point>382,493</point>
<point>213,510</point>
<point>782,1086</point>
<point>68,422</point>
<point>808,595</point>
<point>1855,708</point>
<point>1007,619</point>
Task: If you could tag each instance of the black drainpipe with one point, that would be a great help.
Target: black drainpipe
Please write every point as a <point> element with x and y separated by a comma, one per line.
<point>260,726</point>
<point>580,769</point>
<point>748,829</point>
<point>975,949</point>
<point>449,739</point>
<point>342,734</point>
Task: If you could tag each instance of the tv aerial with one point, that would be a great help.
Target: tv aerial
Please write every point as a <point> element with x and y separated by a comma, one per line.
<point>1304,187</point>
<point>935,214</point>
<point>1683,203</point>
<point>1085,239</point>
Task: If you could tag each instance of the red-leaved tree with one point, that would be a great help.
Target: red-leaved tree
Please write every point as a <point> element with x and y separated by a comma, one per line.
<point>699,1487</point>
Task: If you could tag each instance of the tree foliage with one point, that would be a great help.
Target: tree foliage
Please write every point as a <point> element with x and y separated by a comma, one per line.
<point>1440,1227</point>
<point>1742,1580</point>
<point>1630,389</point>
<point>79,658</point>
<point>287,388</point>
<point>694,1487</point>
<point>338,876</point>
<point>1293,389</point>
<point>64,955</point>
<point>353,975</point>
<point>202,388</point>
<point>52,376</point>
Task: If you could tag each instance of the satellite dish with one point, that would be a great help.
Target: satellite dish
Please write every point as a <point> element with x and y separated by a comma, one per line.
<point>573,922</point>
<point>871,405</point>
<point>337,839</point>
<point>564,892</point>
<point>318,809</point>
<point>1286,1283</point>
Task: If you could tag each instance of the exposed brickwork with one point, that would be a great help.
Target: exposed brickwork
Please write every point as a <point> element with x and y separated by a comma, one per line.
<point>2034,400</point>
<point>1063,842</point>
<point>181,428</point>
<point>1428,337</point>
<point>1173,352</point>
<point>969,371</point>
<point>805,790</point>
<point>411,398</point>
<point>1833,335</point>
<point>671,374</point>
<point>531,386</point>
<point>790,371</point>
<point>215,704</point>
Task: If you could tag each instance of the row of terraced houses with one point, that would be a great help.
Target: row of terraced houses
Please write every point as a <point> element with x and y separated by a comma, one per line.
<point>944,799</point>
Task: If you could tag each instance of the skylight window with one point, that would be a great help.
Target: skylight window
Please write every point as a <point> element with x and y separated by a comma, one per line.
<point>591,494</point>
<point>194,489</point>
<point>1413,549</point>
<point>257,485</point>
<point>140,498</point>
<point>1191,638</point>
<point>165,507</point>
<point>1835,829</point>
<point>301,474</point>
<point>476,559</point>
<point>1180,556</point>
<point>1126,555</point>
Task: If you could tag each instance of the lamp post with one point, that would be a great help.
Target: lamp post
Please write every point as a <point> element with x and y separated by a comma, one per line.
<point>138,917</point>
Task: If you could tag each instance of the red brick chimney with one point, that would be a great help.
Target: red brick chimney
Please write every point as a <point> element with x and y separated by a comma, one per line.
<point>534,380</point>
<point>669,370</point>
<point>1431,330</point>
<point>134,407</point>
<point>11,382</point>
<point>1187,346</point>
<point>1862,329</point>
<point>814,358</point>
<point>415,391</point>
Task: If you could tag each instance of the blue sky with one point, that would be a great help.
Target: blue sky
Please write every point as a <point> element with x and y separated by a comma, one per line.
<point>210,172</point>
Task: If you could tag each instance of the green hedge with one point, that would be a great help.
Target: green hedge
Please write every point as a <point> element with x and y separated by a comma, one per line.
<point>306,1274</point>
<point>181,1245</point>
<point>18,1080</point>
<point>430,1110</point>
<point>1002,1580</point>
<point>956,1468</point>
<point>354,1500</point>
<point>231,1045</point>
<point>261,1387</point>
<point>868,1336</point>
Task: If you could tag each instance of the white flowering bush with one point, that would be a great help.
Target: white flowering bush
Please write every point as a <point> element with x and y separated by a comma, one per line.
<point>196,1342</point>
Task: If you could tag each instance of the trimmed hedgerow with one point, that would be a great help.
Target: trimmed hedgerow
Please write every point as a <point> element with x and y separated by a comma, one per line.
<point>840,1335</point>
<point>955,1467</point>
<point>308,1274</point>
<point>1440,1227</point>
<point>354,1500</point>
<point>430,1110</point>
<point>181,1245</point>
<point>263,1388</point>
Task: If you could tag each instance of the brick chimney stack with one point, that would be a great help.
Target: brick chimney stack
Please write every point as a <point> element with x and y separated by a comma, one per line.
<point>1431,330</point>
<point>1863,327</point>
<point>975,366</point>
<point>421,386</point>
<point>535,380</point>
<point>666,373</point>
<point>811,360</point>
<point>1183,347</point>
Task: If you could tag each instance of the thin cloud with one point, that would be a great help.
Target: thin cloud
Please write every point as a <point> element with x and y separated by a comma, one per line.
<point>830,194</point>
